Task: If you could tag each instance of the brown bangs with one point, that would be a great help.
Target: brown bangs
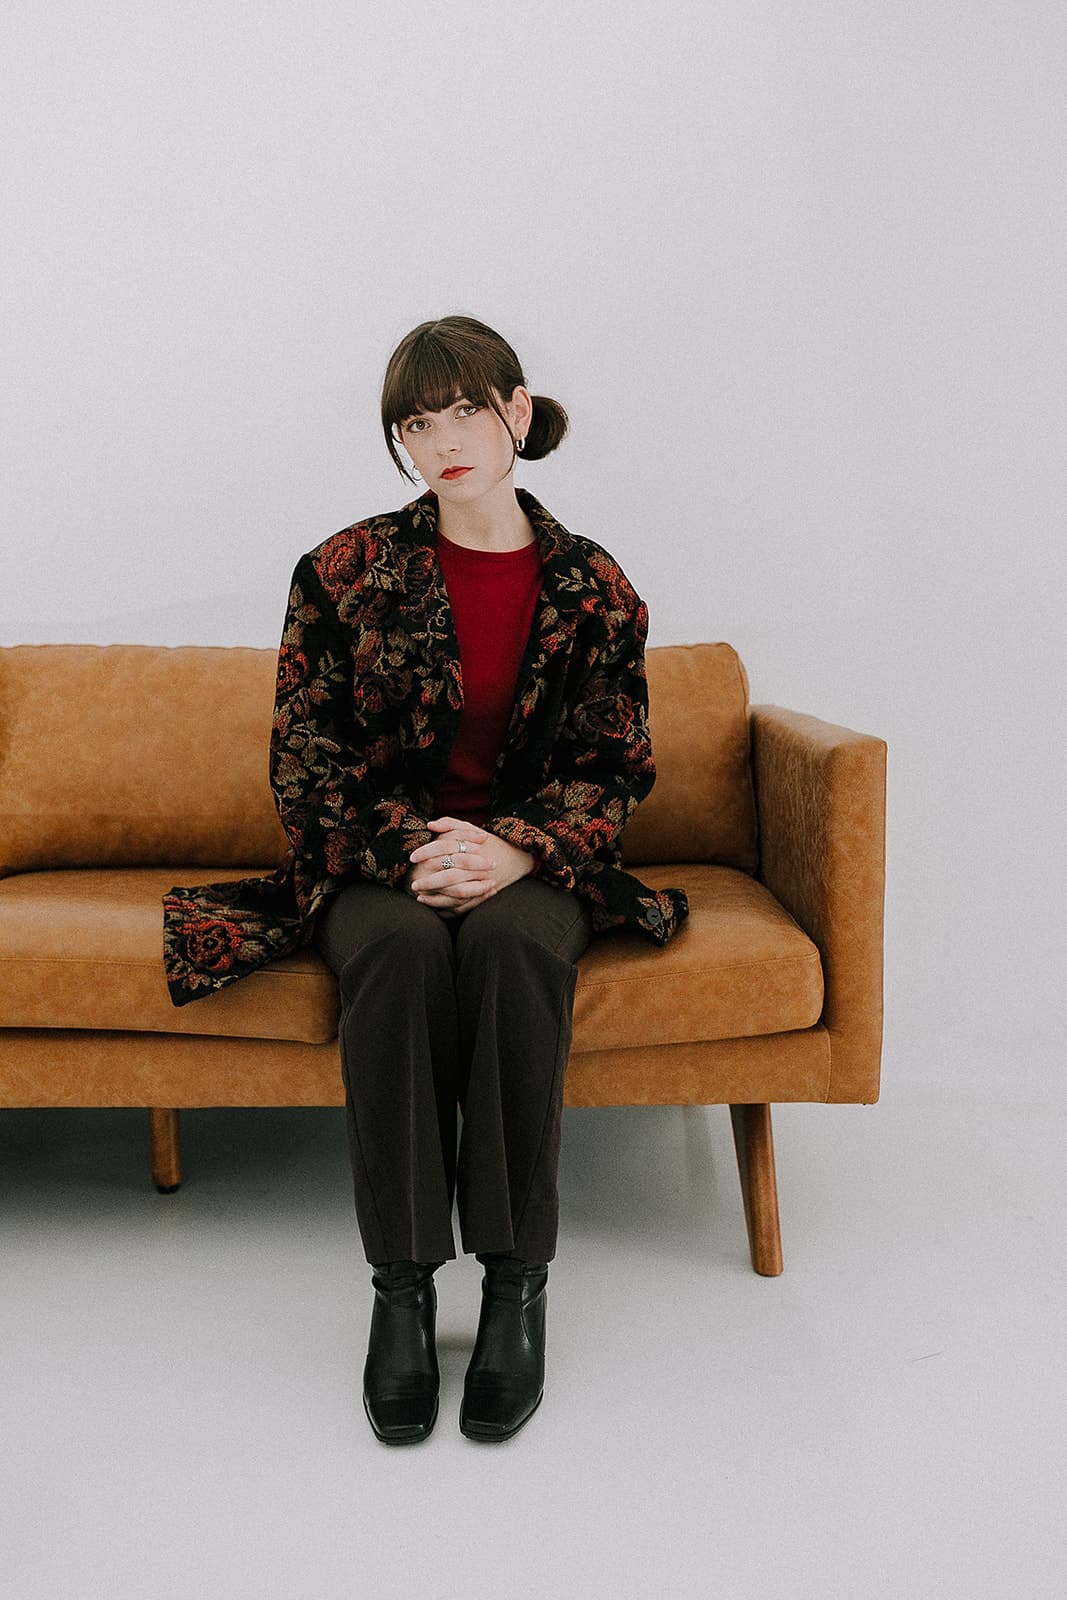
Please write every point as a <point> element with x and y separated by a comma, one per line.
<point>432,378</point>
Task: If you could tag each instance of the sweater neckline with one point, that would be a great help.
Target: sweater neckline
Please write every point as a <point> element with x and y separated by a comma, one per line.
<point>465,552</point>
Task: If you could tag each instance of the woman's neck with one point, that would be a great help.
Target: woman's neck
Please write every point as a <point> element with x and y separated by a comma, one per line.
<point>495,521</point>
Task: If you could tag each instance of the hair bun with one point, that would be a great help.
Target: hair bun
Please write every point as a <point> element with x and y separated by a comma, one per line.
<point>548,425</point>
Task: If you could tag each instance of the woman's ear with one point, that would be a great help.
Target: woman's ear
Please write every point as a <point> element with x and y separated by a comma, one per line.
<point>522,407</point>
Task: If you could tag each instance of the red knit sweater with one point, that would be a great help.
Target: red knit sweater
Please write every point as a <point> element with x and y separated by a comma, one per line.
<point>493,595</point>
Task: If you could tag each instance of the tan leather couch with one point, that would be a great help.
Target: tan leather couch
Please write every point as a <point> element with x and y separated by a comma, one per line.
<point>127,769</point>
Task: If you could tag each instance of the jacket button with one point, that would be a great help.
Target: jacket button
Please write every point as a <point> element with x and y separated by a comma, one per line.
<point>654,916</point>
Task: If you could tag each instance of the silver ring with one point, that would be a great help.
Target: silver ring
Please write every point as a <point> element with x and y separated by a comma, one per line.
<point>463,847</point>
<point>446,863</point>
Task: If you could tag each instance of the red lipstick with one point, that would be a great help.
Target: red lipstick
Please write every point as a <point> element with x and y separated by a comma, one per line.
<point>455,472</point>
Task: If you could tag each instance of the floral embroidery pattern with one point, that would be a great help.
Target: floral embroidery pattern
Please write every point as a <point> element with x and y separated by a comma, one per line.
<point>369,695</point>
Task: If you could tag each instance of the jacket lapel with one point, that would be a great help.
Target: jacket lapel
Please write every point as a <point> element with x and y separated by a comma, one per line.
<point>408,567</point>
<point>564,579</point>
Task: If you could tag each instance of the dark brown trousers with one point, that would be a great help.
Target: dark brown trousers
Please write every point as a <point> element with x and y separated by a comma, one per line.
<point>473,1013</point>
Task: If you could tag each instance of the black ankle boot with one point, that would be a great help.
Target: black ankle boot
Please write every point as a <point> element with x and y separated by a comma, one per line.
<point>506,1376</point>
<point>401,1382</point>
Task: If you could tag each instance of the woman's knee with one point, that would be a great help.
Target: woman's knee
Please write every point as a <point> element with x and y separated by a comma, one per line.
<point>363,918</point>
<point>528,912</point>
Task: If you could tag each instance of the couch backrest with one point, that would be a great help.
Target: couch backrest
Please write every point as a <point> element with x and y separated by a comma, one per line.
<point>702,806</point>
<point>152,755</point>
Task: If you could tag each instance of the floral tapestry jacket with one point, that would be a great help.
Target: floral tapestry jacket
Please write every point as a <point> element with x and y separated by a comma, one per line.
<point>368,705</point>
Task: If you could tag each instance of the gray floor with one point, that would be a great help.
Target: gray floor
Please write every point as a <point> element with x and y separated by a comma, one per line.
<point>181,1411</point>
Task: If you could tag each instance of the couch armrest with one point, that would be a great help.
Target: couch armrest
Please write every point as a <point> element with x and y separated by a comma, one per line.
<point>820,801</point>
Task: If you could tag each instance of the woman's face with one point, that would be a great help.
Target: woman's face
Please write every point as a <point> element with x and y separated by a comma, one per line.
<point>466,435</point>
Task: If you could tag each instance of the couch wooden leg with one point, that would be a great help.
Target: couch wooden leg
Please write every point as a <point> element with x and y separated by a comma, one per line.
<point>166,1150</point>
<point>754,1144</point>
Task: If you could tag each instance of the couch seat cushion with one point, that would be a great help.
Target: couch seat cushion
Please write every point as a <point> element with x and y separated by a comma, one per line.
<point>82,948</point>
<point>738,966</point>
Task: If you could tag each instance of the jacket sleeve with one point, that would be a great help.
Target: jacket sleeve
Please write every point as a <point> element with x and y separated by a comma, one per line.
<point>342,816</point>
<point>601,766</point>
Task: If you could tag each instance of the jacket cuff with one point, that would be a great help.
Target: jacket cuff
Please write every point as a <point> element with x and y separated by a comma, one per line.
<point>550,862</point>
<point>375,844</point>
<point>392,831</point>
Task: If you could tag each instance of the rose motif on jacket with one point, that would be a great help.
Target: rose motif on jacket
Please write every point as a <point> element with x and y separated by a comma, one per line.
<point>618,591</point>
<point>292,668</point>
<point>368,698</point>
<point>338,853</point>
<point>209,943</point>
<point>610,717</point>
<point>339,561</point>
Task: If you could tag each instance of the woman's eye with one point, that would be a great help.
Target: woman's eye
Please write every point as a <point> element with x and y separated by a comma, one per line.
<point>417,424</point>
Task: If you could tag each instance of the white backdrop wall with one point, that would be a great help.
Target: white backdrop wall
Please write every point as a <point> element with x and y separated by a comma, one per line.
<point>796,271</point>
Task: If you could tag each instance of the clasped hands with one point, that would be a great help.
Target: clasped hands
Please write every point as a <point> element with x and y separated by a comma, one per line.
<point>484,867</point>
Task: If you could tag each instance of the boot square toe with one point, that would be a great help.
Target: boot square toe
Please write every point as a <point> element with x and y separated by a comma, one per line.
<point>401,1421</point>
<point>490,1414</point>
